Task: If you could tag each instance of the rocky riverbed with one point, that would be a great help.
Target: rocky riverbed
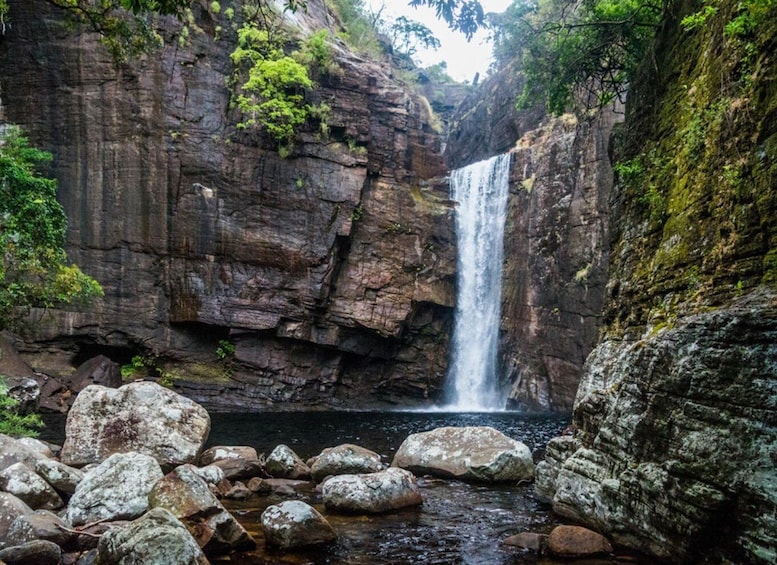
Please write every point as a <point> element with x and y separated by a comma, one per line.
<point>132,481</point>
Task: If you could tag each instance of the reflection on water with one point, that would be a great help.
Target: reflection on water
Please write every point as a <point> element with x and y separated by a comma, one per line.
<point>458,523</point>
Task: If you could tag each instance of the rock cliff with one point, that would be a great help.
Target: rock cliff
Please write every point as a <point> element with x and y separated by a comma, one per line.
<point>331,271</point>
<point>675,443</point>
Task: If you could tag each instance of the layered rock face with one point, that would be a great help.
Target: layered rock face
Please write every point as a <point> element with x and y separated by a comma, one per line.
<point>675,448</point>
<point>330,271</point>
<point>556,255</point>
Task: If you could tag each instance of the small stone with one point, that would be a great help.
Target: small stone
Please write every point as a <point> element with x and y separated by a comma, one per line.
<point>39,552</point>
<point>576,541</point>
<point>293,524</point>
<point>346,459</point>
<point>526,540</point>
<point>283,463</point>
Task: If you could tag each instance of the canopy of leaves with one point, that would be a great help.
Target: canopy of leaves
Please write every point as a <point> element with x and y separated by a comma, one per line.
<point>577,52</point>
<point>33,271</point>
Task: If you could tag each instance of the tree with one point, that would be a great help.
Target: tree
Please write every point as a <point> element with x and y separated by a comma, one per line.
<point>33,270</point>
<point>578,53</point>
<point>466,16</point>
<point>407,35</point>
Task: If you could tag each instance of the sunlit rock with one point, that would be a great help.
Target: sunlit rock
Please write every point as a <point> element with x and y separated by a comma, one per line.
<point>293,524</point>
<point>116,489</point>
<point>140,416</point>
<point>466,453</point>
<point>371,493</point>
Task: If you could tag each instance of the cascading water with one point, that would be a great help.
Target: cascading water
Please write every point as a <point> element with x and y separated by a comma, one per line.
<point>480,191</point>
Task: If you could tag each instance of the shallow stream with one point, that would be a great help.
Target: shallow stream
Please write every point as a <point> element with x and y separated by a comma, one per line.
<point>458,523</point>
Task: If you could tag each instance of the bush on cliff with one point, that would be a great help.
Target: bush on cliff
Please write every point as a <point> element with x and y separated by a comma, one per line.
<point>33,269</point>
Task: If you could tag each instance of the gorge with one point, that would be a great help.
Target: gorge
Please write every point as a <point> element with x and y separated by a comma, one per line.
<point>640,252</point>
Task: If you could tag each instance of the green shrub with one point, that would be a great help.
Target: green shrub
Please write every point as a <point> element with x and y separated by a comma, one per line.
<point>11,422</point>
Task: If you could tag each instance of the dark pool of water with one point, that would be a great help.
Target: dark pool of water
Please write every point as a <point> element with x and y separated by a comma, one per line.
<point>458,523</point>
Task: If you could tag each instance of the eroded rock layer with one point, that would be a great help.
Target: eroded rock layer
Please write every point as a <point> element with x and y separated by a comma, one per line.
<point>330,271</point>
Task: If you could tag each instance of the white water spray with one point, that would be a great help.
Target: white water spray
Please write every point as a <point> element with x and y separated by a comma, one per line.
<point>481,192</point>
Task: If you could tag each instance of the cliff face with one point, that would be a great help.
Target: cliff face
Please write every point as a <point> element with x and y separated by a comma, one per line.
<point>675,447</point>
<point>330,271</point>
<point>556,236</point>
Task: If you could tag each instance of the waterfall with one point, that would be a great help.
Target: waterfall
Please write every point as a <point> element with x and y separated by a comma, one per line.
<point>480,191</point>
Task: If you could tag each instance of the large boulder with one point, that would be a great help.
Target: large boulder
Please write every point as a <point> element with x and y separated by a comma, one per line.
<point>186,495</point>
<point>20,480</point>
<point>283,463</point>
<point>140,416</point>
<point>293,524</point>
<point>156,538</point>
<point>117,489</point>
<point>371,493</point>
<point>480,454</point>
<point>345,459</point>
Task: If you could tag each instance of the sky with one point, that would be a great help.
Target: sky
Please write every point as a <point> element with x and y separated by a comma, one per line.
<point>464,58</point>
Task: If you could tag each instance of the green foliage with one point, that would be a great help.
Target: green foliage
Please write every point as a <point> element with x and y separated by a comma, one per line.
<point>269,86</point>
<point>316,55</point>
<point>11,422</point>
<point>576,54</point>
<point>408,35</point>
<point>33,271</point>
<point>225,349</point>
<point>360,27</point>
<point>438,73</point>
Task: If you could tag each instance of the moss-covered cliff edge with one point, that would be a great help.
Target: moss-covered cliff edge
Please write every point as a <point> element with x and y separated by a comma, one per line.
<point>675,443</point>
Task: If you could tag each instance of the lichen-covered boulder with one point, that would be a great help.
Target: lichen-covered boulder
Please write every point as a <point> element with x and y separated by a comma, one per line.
<point>186,495</point>
<point>345,459</point>
<point>140,416</point>
<point>62,477</point>
<point>479,453</point>
<point>11,507</point>
<point>20,480</point>
<point>156,538</point>
<point>117,489</point>
<point>371,493</point>
<point>293,524</point>
<point>283,463</point>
